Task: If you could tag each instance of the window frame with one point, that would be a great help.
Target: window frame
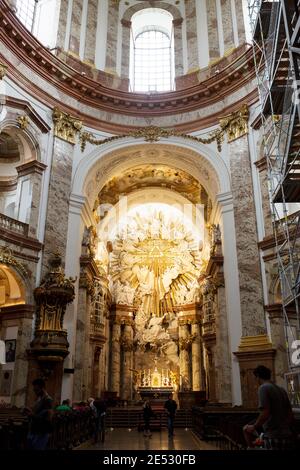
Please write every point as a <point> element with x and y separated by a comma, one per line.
<point>160,77</point>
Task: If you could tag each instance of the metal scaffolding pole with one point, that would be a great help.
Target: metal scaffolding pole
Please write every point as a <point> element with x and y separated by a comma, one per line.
<point>275,29</point>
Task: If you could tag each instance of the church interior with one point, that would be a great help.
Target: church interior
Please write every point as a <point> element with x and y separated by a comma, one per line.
<point>149,213</point>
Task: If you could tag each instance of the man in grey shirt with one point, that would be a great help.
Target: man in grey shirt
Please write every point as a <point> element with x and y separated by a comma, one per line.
<point>276,416</point>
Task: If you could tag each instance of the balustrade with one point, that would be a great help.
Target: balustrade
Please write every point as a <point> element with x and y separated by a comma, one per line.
<point>13,225</point>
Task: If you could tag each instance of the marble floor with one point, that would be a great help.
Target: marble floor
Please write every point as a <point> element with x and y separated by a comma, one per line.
<point>122,439</point>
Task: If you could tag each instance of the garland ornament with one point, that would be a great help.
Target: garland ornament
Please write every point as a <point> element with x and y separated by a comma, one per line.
<point>235,125</point>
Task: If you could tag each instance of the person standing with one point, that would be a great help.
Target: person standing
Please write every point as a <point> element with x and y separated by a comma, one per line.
<point>147,414</point>
<point>40,417</point>
<point>276,415</point>
<point>100,405</point>
<point>171,407</point>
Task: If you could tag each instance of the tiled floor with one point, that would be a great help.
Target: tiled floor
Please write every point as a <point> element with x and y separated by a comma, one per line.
<point>122,439</point>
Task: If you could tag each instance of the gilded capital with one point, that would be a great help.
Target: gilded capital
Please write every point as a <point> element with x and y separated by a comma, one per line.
<point>3,70</point>
<point>66,127</point>
<point>236,124</point>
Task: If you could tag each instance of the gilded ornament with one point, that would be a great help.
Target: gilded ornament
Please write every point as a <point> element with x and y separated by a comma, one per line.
<point>23,122</point>
<point>52,297</point>
<point>3,70</point>
<point>6,257</point>
<point>66,127</point>
<point>235,125</point>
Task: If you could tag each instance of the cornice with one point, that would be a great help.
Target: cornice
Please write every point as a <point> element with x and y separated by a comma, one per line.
<point>22,241</point>
<point>33,166</point>
<point>25,106</point>
<point>89,92</point>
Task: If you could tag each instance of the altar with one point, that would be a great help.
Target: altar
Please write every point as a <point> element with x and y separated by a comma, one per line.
<point>157,395</point>
<point>160,379</point>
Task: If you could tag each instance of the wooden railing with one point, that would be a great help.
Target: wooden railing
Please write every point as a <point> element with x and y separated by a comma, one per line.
<point>70,429</point>
<point>13,225</point>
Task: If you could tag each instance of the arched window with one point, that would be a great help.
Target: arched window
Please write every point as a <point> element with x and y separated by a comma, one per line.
<point>152,51</point>
<point>26,12</point>
<point>41,18</point>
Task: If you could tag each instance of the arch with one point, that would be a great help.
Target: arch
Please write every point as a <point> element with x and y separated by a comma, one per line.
<point>129,12</point>
<point>94,170</point>
<point>19,289</point>
<point>155,195</point>
<point>28,144</point>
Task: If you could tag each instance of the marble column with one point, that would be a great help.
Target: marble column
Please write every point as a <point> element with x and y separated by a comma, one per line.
<point>127,346</point>
<point>261,166</point>
<point>197,359</point>
<point>112,36</point>
<point>115,358</point>
<point>34,170</point>
<point>81,363</point>
<point>191,34</point>
<point>184,355</point>
<point>178,49</point>
<point>250,280</point>
<point>212,25</point>
<point>62,24</point>
<point>240,20</point>
<point>20,377</point>
<point>227,24</point>
<point>222,354</point>
<point>279,342</point>
<point>74,43</point>
<point>211,373</point>
<point>58,201</point>
<point>91,30</point>
<point>126,27</point>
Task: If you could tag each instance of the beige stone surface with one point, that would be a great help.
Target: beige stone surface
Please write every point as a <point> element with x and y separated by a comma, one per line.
<point>227,24</point>
<point>212,25</point>
<point>191,33</point>
<point>19,385</point>
<point>222,356</point>
<point>112,35</point>
<point>91,30</point>
<point>74,43</point>
<point>115,358</point>
<point>63,13</point>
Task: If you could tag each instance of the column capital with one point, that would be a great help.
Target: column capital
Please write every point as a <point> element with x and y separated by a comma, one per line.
<point>236,123</point>
<point>177,22</point>
<point>66,127</point>
<point>126,23</point>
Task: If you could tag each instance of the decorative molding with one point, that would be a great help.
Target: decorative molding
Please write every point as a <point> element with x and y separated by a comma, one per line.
<point>23,122</point>
<point>17,312</point>
<point>177,22</point>
<point>52,296</point>
<point>28,168</point>
<point>255,343</point>
<point>3,70</point>
<point>126,23</point>
<point>235,125</point>
<point>261,164</point>
<point>7,258</point>
<point>25,106</point>
<point>214,83</point>
<point>66,127</point>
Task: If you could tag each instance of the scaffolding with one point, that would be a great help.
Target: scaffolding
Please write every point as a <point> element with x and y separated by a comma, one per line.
<point>276,44</point>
